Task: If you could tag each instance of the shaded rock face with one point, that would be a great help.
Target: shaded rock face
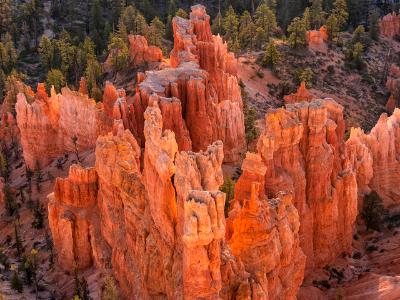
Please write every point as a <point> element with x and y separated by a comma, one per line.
<point>48,125</point>
<point>9,132</point>
<point>390,25</point>
<point>392,84</point>
<point>303,153</point>
<point>162,229</point>
<point>302,94</point>
<point>376,157</point>
<point>264,234</point>
<point>202,82</point>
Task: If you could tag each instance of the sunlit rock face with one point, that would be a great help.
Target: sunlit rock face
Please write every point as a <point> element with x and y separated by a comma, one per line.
<point>377,157</point>
<point>390,25</point>
<point>302,152</point>
<point>52,126</point>
<point>199,94</point>
<point>162,228</point>
<point>302,94</point>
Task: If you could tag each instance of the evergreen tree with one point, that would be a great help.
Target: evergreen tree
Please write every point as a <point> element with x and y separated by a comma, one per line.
<point>332,27</point>
<point>156,32</point>
<point>11,204</point>
<point>373,24</point>
<point>228,188</point>
<point>182,13</point>
<point>230,26</point>
<point>271,4</point>
<point>217,25</point>
<point>297,33</point>
<point>341,13</point>
<point>3,166</point>
<point>16,282</point>
<point>271,55</point>
<point>373,211</point>
<point>55,78</point>
<point>246,31</point>
<point>119,53</point>
<point>358,11</point>
<point>46,52</point>
<point>110,291</point>
<point>6,13</point>
<point>317,15</point>
<point>307,18</point>
<point>266,20</point>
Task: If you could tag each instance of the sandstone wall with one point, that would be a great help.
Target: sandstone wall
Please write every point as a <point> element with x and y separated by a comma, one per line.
<point>390,25</point>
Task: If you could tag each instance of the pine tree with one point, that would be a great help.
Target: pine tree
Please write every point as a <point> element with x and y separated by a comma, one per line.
<point>246,31</point>
<point>266,20</point>
<point>230,26</point>
<point>307,18</point>
<point>228,188</point>
<point>297,33</point>
<point>217,25</point>
<point>358,11</point>
<point>341,13</point>
<point>317,15</point>
<point>156,32</point>
<point>373,24</point>
<point>182,13</point>
<point>16,282</point>
<point>3,166</point>
<point>46,52</point>
<point>55,78</point>
<point>11,204</point>
<point>109,291</point>
<point>119,53</point>
<point>271,55</point>
<point>332,27</point>
<point>6,13</point>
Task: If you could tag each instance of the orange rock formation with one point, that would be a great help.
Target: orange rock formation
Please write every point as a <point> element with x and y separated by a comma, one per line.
<point>200,95</point>
<point>316,39</point>
<point>390,25</point>
<point>303,153</point>
<point>49,124</point>
<point>140,51</point>
<point>377,152</point>
<point>162,230</point>
<point>301,95</point>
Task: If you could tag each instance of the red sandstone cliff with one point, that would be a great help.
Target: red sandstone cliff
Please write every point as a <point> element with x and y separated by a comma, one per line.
<point>302,94</point>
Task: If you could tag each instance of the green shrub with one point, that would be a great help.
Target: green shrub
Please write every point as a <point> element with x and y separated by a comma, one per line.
<point>373,211</point>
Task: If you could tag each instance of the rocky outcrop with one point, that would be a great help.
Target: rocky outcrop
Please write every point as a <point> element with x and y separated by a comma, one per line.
<point>392,85</point>
<point>52,126</point>
<point>317,39</point>
<point>390,25</point>
<point>9,132</point>
<point>302,94</point>
<point>303,154</point>
<point>378,152</point>
<point>140,52</point>
<point>264,234</point>
<point>202,81</point>
<point>162,228</point>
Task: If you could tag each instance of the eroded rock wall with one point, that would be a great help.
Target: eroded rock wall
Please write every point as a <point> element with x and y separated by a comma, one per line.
<point>377,157</point>
<point>303,152</point>
<point>52,126</point>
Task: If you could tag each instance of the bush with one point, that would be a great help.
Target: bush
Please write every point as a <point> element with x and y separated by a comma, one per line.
<point>228,188</point>
<point>16,282</point>
<point>373,211</point>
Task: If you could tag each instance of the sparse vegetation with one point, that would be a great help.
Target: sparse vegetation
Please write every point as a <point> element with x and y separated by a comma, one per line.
<point>228,188</point>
